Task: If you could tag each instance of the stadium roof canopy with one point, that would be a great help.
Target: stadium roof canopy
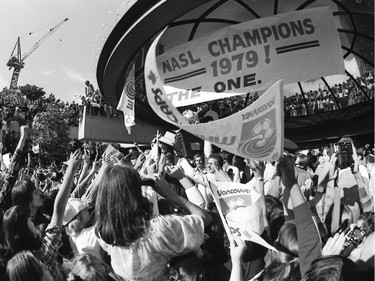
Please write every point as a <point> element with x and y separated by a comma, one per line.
<point>128,43</point>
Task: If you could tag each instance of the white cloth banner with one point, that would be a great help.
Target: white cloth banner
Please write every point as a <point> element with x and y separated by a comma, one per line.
<point>256,132</point>
<point>239,204</point>
<point>253,55</point>
<point>127,101</point>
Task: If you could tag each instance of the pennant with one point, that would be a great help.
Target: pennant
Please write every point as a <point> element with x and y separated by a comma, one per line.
<point>127,101</point>
<point>239,208</point>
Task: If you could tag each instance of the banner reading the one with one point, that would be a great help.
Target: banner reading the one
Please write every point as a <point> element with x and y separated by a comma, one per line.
<point>256,132</point>
<point>253,55</point>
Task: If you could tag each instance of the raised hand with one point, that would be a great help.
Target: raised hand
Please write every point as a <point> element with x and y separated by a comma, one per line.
<point>237,247</point>
<point>24,131</point>
<point>162,187</point>
<point>258,167</point>
<point>179,145</point>
<point>75,160</point>
<point>355,159</point>
<point>175,172</point>
<point>140,160</point>
<point>95,164</point>
<point>334,245</point>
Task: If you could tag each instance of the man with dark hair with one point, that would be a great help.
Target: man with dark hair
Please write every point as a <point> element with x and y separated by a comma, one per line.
<point>199,162</point>
<point>214,171</point>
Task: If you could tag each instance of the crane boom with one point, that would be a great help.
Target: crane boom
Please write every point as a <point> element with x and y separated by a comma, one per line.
<point>44,38</point>
<point>17,62</point>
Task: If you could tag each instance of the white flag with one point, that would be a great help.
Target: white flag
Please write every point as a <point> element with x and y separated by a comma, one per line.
<point>127,101</point>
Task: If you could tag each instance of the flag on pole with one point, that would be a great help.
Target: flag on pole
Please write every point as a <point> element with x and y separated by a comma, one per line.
<point>127,101</point>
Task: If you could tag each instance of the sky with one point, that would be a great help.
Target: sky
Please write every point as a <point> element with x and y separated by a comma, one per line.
<point>66,59</point>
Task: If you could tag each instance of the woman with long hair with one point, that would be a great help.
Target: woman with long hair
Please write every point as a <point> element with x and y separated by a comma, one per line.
<point>140,245</point>
<point>25,267</point>
<point>21,234</point>
<point>24,193</point>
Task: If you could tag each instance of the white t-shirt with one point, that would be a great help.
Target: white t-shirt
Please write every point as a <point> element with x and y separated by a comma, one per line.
<point>167,237</point>
<point>86,243</point>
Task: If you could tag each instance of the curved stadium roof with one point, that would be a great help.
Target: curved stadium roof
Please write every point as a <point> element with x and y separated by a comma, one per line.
<point>189,20</point>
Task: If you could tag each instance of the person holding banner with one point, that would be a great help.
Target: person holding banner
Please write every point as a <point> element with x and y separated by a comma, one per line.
<point>309,243</point>
<point>298,243</point>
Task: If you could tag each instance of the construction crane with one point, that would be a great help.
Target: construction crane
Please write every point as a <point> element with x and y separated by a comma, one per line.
<point>16,60</point>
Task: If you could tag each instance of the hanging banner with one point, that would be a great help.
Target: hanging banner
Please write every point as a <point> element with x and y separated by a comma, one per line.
<point>253,55</point>
<point>256,132</point>
<point>127,101</point>
<point>239,208</point>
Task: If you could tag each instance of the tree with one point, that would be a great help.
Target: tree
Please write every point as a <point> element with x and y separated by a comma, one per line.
<point>50,130</point>
<point>32,92</point>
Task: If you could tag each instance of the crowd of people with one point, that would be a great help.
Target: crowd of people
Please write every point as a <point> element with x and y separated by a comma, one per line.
<point>337,97</point>
<point>110,213</point>
<point>312,102</point>
<point>16,109</point>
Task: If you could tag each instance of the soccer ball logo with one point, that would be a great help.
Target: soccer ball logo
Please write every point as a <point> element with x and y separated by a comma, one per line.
<point>262,132</point>
<point>236,203</point>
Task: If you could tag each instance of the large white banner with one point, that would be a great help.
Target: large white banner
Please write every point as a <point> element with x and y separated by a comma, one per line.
<point>253,55</point>
<point>256,132</point>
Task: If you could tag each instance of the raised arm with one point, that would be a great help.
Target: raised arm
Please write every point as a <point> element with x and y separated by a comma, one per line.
<point>64,191</point>
<point>85,168</point>
<point>13,170</point>
<point>188,207</point>
<point>90,193</point>
<point>192,193</point>
<point>309,243</point>
<point>259,168</point>
<point>81,188</point>
<point>237,249</point>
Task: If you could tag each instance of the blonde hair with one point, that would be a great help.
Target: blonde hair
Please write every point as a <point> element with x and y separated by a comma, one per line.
<point>74,227</point>
<point>90,268</point>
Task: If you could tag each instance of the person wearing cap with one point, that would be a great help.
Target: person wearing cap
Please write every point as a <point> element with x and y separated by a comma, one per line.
<point>80,228</point>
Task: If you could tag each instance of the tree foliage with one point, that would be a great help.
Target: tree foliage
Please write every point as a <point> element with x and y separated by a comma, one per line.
<point>32,92</point>
<point>50,130</point>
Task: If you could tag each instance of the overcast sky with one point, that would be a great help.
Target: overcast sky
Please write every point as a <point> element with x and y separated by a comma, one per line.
<point>64,61</point>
